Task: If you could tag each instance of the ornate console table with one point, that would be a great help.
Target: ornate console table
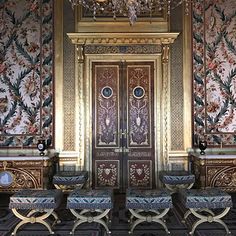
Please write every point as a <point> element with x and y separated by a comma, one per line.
<point>214,171</point>
<point>26,172</point>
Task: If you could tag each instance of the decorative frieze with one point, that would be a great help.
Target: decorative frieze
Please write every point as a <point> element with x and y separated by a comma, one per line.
<point>122,39</point>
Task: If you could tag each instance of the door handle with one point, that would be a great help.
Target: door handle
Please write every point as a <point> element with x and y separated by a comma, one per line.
<point>118,150</point>
<point>121,149</point>
<point>123,133</point>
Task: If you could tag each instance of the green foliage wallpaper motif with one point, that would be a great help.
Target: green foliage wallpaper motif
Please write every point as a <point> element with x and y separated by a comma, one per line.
<point>214,71</point>
<point>26,72</point>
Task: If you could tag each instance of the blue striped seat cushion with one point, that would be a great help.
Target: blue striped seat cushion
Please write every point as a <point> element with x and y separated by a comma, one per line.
<point>36,199</point>
<point>176,177</point>
<point>208,198</point>
<point>90,199</point>
<point>70,178</point>
<point>148,199</point>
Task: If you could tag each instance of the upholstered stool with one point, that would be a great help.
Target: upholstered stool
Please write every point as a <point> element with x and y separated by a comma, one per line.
<point>205,201</point>
<point>40,203</point>
<point>69,180</point>
<point>175,180</point>
<point>90,206</point>
<point>145,205</point>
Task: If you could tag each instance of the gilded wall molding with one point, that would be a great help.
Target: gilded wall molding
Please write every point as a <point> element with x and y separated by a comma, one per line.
<point>123,49</point>
<point>122,39</point>
<point>58,41</point>
<point>187,81</point>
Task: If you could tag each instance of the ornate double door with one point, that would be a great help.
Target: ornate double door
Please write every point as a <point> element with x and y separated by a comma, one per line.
<point>123,128</point>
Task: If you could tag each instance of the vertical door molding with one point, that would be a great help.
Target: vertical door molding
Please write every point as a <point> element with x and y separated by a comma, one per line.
<point>80,107</point>
<point>166,105</point>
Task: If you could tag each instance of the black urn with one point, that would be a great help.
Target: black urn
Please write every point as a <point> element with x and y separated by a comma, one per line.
<point>41,145</point>
<point>202,146</point>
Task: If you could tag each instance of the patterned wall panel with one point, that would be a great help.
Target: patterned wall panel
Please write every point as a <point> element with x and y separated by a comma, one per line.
<point>26,72</point>
<point>69,79</point>
<point>176,83</point>
<point>214,72</point>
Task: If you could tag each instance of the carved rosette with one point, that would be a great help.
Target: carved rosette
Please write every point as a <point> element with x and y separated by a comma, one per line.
<point>139,105</point>
<point>107,82</point>
<point>140,174</point>
<point>107,174</point>
<point>225,178</point>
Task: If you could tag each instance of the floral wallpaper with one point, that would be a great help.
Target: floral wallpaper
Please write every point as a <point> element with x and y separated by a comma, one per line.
<point>26,72</point>
<point>214,72</point>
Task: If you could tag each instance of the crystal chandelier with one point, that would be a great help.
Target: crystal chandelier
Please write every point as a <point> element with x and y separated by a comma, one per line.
<point>130,8</point>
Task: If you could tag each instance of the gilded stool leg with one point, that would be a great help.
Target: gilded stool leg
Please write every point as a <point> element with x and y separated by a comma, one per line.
<point>209,218</point>
<point>81,218</point>
<point>148,218</point>
<point>17,227</point>
<point>135,223</point>
<point>187,213</point>
<point>31,219</point>
<point>54,214</point>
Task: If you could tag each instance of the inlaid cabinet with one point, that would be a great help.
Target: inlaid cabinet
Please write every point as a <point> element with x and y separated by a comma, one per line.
<point>26,172</point>
<point>214,171</point>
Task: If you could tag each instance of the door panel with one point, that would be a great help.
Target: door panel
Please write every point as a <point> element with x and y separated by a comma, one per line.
<point>106,123</point>
<point>123,150</point>
<point>140,125</point>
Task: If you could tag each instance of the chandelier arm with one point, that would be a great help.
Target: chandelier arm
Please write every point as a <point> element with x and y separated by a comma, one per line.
<point>130,8</point>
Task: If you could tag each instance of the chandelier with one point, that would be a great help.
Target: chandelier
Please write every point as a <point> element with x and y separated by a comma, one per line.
<point>130,8</point>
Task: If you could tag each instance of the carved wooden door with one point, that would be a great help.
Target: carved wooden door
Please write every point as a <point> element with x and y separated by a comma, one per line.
<point>123,132</point>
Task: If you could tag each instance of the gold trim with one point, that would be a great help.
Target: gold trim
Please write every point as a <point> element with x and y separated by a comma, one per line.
<point>4,164</point>
<point>165,53</point>
<point>58,57</point>
<point>122,39</point>
<point>79,113</point>
<point>165,113</point>
<point>187,81</point>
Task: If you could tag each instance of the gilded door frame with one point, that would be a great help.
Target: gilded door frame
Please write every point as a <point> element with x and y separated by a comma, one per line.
<point>161,61</point>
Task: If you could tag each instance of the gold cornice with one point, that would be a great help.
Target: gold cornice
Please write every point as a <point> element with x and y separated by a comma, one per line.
<point>122,39</point>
